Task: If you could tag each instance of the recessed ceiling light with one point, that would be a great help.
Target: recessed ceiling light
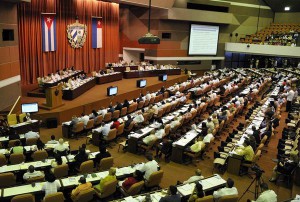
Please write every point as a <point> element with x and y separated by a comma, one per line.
<point>287,8</point>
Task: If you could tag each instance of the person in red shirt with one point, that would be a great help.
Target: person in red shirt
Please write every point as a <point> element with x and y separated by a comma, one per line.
<point>128,182</point>
<point>115,124</point>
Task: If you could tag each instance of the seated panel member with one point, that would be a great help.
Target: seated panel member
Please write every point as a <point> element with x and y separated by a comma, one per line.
<point>110,177</point>
<point>172,195</point>
<point>247,152</point>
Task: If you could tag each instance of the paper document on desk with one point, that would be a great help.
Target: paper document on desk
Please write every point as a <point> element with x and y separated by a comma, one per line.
<point>156,197</point>
<point>130,199</point>
<point>186,189</point>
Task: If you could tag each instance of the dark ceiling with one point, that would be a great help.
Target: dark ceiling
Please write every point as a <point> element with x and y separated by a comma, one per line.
<point>278,5</point>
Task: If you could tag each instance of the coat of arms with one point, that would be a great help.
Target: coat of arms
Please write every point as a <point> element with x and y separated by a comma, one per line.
<point>76,34</point>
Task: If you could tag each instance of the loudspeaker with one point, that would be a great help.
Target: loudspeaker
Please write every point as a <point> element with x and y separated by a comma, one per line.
<point>51,123</point>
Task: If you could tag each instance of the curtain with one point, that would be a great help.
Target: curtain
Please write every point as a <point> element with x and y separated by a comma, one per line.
<point>35,63</point>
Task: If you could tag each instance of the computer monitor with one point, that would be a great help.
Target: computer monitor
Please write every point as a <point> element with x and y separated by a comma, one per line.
<point>30,107</point>
<point>113,90</point>
<point>141,83</point>
<point>163,77</point>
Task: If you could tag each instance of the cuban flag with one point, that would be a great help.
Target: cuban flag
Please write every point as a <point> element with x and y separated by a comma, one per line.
<point>96,33</point>
<point>49,32</point>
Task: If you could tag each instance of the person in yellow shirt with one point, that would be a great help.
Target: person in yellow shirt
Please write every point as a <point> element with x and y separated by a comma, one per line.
<point>110,177</point>
<point>83,186</point>
<point>247,152</point>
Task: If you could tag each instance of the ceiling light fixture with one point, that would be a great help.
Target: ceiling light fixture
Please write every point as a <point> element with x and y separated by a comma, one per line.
<point>287,8</point>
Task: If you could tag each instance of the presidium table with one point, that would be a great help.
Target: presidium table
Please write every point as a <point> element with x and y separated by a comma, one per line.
<point>151,73</point>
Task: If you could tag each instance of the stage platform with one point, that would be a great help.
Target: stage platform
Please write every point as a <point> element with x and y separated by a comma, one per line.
<point>96,97</point>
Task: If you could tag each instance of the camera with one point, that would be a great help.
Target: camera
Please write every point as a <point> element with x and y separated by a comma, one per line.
<point>258,171</point>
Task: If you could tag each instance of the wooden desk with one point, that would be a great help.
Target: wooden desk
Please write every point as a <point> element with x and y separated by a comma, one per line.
<point>72,94</point>
<point>123,68</point>
<point>22,128</point>
<point>108,78</point>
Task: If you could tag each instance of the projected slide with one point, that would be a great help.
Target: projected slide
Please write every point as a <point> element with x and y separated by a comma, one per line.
<point>203,40</point>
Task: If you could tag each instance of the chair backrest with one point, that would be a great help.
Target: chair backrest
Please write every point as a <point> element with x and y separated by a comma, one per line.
<point>229,198</point>
<point>109,188</point>
<point>132,108</point>
<point>152,100</point>
<point>146,103</point>
<point>116,114</point>
<point>166,94</point>
<point>57,197</point>
<point>123,111</point>
<point>107,117</point>
<point>31,141</point>
<point>87,167</point>
<point>208,198</point>
<point>263,141</point>
<point>106,163</point>
<point>130,126</point>
<point>16,158</point>
<point>12,119</point>
<point>85,196</point>
<point>111,135</point>
<point>155,179</point>
<point>90,124</point>
<point>11,143</point>
<point>78,127</point>
<point>21,117</point>
<point>135,188</point>
<point>98,120</point>
<point>7,180</point>
<point>167,129</point>
<point>3,160</point>
<point>36,179</point>
<point>61,171</point>
<point>120,129</point>
<point>141,104</point>
<point>39,155</point>
<point>23,198</point>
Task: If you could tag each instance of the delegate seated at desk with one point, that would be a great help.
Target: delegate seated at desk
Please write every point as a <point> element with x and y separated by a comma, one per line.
<point>226,191</point>
<point>82,187</point>
<point>109,178</point>
<point>172,195</point>
<point>149,167</point>
<point>31,173</point>
<point>60,148</point>
<point>246,151</point>
<point>31,134</point>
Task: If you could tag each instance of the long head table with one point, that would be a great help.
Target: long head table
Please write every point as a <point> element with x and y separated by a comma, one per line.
<point>151,73</point>
<point>123,68</point>
<point>51,84</point>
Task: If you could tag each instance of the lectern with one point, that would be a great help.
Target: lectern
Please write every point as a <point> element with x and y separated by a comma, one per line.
<point>53,97</point>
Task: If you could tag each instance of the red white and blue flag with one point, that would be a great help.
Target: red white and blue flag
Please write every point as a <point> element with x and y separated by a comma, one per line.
<point>96,33</point>
<point>49,32</point>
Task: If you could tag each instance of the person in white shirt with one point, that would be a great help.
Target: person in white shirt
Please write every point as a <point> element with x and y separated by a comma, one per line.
<point>85,119</point>
<point>229,190</point>
<point>31,134</point>
<point>289,97</point>
<point>139,118</point>
<point>149,167</point>
<point>31,173</point>
<point>50,186</point>
<point>198,176</point>
<point>207,138</point>
<point>266,195</point>
<point>52,141</point>
<point>104,129</point>
<point>103,111</point>
<point>174,123</point>
<point>160,133</point>
<point>61,147</point>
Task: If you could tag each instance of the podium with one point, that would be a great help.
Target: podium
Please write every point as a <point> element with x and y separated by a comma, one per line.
<point>53,97</point>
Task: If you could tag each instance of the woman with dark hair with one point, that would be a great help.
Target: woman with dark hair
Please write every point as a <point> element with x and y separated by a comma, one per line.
<point>80,157</point>
<point>50,186</point>
<point>128,182</point>
<point>197,193</point>
<point>126,103</point>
